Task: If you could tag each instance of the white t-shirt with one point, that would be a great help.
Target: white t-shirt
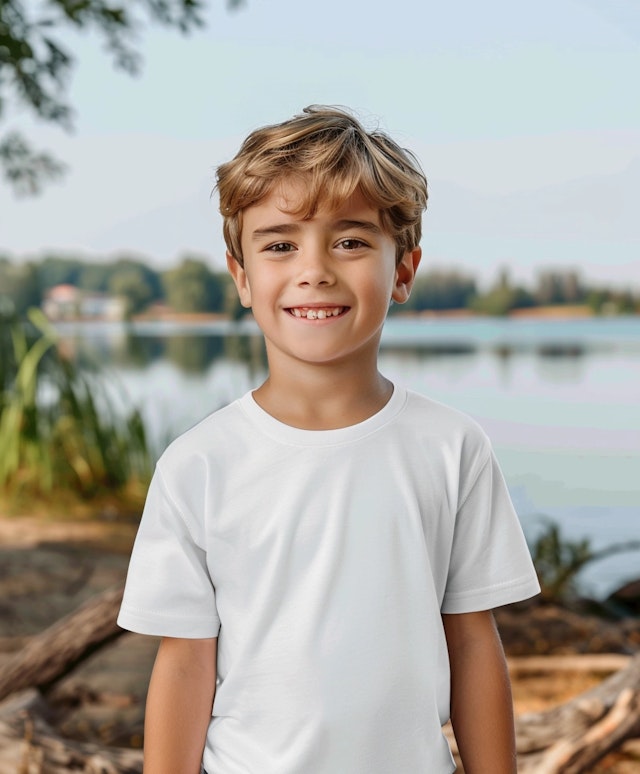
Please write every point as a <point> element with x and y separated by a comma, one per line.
<point>322,560</point>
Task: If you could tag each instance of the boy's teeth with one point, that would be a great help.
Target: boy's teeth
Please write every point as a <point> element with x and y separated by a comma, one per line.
<point>317,314</point>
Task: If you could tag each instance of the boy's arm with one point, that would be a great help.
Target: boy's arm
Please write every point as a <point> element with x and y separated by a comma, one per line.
<point>179,705</point>
<point>481,703</point>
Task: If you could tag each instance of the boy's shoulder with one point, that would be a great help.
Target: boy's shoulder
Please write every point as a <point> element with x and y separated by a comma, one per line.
<point>440,414</point>
<point>215,431</point>
<point>432,419</point>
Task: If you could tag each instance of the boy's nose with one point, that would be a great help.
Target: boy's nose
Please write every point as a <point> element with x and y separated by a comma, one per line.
<point>315,269</point>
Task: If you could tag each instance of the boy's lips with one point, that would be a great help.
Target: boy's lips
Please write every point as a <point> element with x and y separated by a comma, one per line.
<point>321,312</point>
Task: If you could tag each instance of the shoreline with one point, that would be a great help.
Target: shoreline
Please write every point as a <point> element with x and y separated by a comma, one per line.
<point>549,312</point>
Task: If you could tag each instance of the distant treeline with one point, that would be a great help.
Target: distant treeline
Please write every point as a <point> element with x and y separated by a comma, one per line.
<point>189,287</point>
<point>192,286</point>
<point>445,290</point>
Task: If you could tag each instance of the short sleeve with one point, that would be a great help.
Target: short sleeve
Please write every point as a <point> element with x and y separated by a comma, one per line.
<point>490,562</point>
<point>168,592</point>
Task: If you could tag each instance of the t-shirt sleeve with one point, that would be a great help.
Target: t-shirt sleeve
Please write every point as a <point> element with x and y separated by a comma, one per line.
<point>168,592</point>
<point>490,563</point>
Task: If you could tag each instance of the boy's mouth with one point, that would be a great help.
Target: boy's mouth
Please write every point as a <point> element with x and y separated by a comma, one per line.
<point>317,313</point>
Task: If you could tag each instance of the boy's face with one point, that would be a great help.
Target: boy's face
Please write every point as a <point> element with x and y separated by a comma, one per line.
<point>319,288</point>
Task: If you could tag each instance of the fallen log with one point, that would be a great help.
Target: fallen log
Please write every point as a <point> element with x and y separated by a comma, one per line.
<point>57,650</point>
<point>572,738</point>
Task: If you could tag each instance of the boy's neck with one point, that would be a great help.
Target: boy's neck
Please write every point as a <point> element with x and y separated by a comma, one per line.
<point>321,399</point>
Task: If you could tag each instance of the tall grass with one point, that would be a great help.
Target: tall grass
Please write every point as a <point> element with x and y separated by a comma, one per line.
<point>61,432</point>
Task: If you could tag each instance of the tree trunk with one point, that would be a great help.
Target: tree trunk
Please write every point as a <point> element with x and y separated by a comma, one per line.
<point>55,652</point>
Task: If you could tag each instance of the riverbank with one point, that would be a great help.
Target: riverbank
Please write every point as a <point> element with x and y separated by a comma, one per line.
<point>550,312</point>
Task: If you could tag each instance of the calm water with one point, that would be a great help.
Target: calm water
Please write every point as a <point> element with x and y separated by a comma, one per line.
<point>560,401</point>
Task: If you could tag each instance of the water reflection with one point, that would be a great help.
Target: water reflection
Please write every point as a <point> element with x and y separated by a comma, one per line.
<point>561,370</point>
<point>193,354</point>
<point>247,349</point>
<point>190,353</point>
<point>138,351</point>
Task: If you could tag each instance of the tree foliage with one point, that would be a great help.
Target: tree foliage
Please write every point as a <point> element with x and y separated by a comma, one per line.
<point>35,65</point>
<point>59,270</point>
<point>559,287</point>
<point>608,302</point>
<point>193,287</point>
<point>502,298</point>
<point>134,282</point>
<point>189,287</point>
<point>19,287</point>
<point>439,290</point>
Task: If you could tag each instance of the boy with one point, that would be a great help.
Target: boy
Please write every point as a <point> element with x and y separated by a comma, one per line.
<point>327,548</point>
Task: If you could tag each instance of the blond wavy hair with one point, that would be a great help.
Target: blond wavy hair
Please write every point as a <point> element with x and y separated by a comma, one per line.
<point>330,154</point>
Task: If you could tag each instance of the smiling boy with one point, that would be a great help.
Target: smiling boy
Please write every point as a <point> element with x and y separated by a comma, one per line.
<point>321,556</point>
<point>319,289</point>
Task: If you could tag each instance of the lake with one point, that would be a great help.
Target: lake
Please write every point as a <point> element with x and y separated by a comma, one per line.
<point>559,399</point>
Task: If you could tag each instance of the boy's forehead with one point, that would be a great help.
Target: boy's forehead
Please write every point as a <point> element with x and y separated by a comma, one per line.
<point>291,199</point>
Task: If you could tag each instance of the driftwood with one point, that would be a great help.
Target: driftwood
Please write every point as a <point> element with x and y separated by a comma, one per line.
<point>603,664</point>
<point>55,652</point>
<point>571,738</point>
<point>568,739</point>
<point>27,741</point>
<point>28,744</point>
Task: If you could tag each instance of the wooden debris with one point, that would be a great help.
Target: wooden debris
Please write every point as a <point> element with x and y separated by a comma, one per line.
<point>572,738</point>
<point>28,745</point>
<point>55,652</point>
<point>593,663</point>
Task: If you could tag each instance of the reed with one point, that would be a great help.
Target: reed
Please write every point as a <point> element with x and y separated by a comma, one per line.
<point>62,431</point>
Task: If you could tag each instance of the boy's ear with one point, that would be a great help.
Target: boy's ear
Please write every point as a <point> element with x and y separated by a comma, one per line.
<point>406,274</point>
<point>240,279</point>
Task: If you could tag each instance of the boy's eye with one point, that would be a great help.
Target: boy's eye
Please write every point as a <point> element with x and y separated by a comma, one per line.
<point>351,244</point>
<point>280,247</point>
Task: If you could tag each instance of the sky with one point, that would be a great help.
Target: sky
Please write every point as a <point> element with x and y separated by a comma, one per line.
<point>525,117</point>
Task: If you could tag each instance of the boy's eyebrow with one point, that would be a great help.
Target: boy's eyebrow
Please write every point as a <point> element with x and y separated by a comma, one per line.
<point>338,225</point>
<point>276,228</point>
<point>364,225</point>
